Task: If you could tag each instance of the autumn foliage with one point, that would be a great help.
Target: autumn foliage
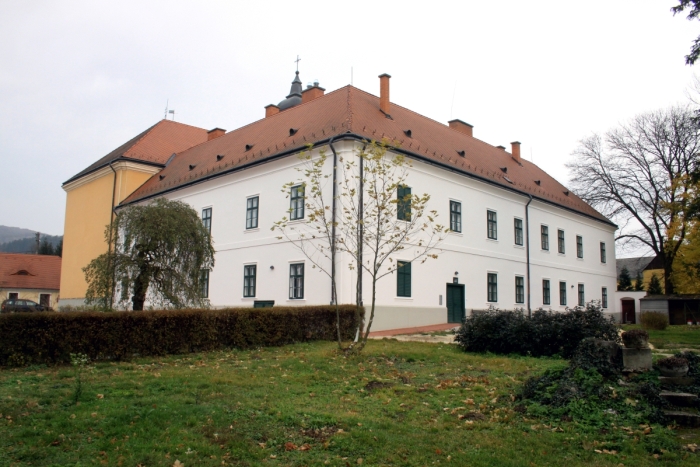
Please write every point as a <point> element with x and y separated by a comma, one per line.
<point>31,338</point>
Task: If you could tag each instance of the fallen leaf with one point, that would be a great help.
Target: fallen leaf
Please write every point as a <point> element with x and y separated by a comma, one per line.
<point>304,447</point>
<point>290,446</point>
<point>360,461</point>
<point>100,396</point>
<point>177,463</point>
<point>647,430</point>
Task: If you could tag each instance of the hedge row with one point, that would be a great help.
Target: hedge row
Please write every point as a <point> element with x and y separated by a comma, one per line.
<point>545,333</point>
<point>30,338</point>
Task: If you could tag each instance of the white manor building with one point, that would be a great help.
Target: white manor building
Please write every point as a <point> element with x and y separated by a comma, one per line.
<point>518,238</point>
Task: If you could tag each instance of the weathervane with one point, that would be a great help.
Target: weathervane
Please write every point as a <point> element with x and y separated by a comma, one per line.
<point>297,60</point>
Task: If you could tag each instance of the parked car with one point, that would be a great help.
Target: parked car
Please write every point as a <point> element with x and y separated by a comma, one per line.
<point>22,306</point>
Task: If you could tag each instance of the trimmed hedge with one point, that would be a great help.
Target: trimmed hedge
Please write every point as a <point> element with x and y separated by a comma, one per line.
<point>654,320</point>
<point>546,333</point>
<point>31,338</point>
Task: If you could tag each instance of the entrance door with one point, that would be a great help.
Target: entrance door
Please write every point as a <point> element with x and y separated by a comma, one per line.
<point>455,303</point>
<point>628,314</point>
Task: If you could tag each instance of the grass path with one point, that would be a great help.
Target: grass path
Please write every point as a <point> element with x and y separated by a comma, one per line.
<point>400,403</point>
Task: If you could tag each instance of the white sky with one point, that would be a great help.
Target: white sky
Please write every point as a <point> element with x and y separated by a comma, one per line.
<point>78,79</point>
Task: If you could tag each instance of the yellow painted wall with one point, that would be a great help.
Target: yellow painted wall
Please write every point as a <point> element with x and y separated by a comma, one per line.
<point>646,277</point>
<point>31,294</point>
<point>88,210</point>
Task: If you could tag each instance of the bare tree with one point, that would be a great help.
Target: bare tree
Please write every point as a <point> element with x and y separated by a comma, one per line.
<point>639,175</point>
<point>376,217</point>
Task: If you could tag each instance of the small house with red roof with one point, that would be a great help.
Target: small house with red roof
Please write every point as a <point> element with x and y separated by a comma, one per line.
<point>30,277</point>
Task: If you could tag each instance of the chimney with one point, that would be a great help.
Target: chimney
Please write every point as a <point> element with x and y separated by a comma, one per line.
<point>215,133</point>
<point>462,127</point>
<point>271,110</point>
<point>384,104</point>
<point>515,151</point>
<point>311,93</point>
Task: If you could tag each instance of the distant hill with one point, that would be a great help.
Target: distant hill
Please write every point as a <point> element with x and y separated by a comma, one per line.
<point>28,245</point>
<point>8,234</point>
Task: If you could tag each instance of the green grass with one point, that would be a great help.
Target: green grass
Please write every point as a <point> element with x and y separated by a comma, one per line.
<point>673,337</point>
<point>400,403</point>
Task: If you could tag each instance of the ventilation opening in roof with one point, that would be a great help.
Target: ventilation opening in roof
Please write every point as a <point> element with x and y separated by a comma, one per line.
<point>192,166</point>
<point>219,157</point>
<point>504,170</point>
<point>293,131</point>
<point>22,272</point>
<point>566,192</point>
<point>538,182</point>
<point>462,153</point>
<point>248,147</point>
<point>161,177</point>
<point>407,133</point>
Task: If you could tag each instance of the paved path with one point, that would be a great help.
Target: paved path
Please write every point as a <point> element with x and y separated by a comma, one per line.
<point>418,334</point>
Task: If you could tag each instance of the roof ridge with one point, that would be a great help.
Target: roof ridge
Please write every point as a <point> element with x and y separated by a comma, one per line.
<point>349,108</point>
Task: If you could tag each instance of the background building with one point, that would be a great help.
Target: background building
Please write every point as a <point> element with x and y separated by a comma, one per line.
<point>30,277</point>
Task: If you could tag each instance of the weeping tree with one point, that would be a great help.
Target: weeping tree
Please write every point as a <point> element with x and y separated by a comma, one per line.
<point>156,252</point>
<point>377,218</point>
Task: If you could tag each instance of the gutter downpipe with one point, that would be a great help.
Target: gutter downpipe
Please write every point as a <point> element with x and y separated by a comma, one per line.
<point>527,253</point>
<point>111,220</point>
<point>334,293</point>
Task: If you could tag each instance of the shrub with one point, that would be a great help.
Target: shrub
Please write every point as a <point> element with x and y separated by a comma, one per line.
<point>31,338</point>
<point>636,339</point>
<point>654,320</point>
<point>545,333</point>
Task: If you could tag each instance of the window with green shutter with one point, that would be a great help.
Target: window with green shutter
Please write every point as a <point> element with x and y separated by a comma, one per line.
<point>403,203</point>
<point>403,279</point>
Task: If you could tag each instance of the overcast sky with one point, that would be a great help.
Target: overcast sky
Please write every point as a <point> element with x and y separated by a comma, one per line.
<point>78,79</point>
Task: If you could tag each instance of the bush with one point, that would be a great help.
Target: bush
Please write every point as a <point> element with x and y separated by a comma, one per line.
<point>546,333</point>
<point>31,338</point>
<point>654,320</point>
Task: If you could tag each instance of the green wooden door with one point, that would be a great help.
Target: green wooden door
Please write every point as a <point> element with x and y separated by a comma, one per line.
<point>455,303</point>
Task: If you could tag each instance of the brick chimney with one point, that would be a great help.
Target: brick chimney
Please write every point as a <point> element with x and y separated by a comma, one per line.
<point>215,133</point>
<point>462,127</point>
<point>384,104</point>
<point>271,110</point>
<point>311,93</point>
<point>515,150</point>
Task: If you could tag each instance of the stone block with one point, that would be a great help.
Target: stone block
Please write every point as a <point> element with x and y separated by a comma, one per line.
<point>683,399</point>
<point>676,381</point>
<point>636,359</point>
<point>683,418</point>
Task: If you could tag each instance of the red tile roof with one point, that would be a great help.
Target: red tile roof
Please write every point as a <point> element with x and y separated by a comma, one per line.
<point>350,112</point>
<point>154,146</point>
<point>18,271</point>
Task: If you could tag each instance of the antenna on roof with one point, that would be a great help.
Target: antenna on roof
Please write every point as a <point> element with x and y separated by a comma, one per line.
<point>172,112</point>
<point>167,101</point>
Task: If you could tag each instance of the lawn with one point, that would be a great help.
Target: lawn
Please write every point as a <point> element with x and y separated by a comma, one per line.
<point>400,403</point>
<point>673,337</point>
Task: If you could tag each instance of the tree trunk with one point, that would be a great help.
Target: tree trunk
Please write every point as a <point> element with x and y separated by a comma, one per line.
<point>668,280</point>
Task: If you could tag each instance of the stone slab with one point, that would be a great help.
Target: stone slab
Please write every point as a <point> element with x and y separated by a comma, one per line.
<point>636,359</point>
<point>676,380</point>
<point>683,418</point>
<point>682,399</point>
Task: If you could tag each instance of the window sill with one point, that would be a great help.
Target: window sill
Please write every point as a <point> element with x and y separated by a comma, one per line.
<point>453,232</point>
<point>296,299</point>
<point>254,229</point>
<point>519,247</point>
<point>544,251</point>
<point>579,259</point>
<point>403,298</point>
<point>492,240</point>
<point>562,254</point>
<point>247,299</point>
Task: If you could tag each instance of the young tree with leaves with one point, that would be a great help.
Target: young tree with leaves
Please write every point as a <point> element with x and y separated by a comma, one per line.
<point>376,218</point>
<point>639,175</point>
<point>158,252</point>
<point>624,282</point>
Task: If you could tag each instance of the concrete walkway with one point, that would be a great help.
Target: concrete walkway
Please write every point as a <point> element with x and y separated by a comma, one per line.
<point>418,334</point>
